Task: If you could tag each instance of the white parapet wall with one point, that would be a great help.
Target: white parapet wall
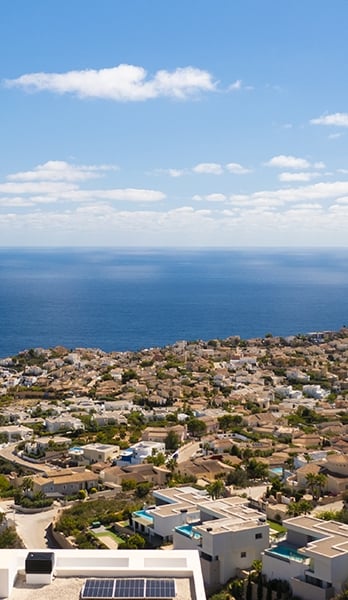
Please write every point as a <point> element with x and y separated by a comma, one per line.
<point>109,563</point>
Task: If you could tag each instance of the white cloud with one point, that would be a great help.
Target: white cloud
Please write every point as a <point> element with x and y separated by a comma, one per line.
<point>37,187</point>
<point>237,169</point>
<point>336,119</point>
<point>300,176</point>
<point>208,168</point>
<point>121,83</point>
<point>334,136</point>
<point>288,162</point>
<point>237,85</point>
<point>171,172</point>
<point>56,181</point>
<point>127,194</point>
<point>59,170</point>
<point>315,191</point>
<point>216,197</point>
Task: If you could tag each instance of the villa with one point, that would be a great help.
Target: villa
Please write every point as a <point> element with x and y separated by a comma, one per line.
<point>314,558</point>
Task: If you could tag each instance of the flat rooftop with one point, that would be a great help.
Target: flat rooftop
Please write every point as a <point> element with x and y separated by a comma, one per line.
<point>69,588</point>
<point>72,568</point>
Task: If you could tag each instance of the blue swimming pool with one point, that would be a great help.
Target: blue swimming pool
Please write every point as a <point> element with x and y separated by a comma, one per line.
<point>277,471</point>
<point>188,531</point>
<point>288,552</point>
<point>144,515</point>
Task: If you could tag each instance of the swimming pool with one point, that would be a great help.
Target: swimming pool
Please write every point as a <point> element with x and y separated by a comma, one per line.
<point>188,531</point>
<point>277,471</point>
<point>144,515</point>
<point>288,552</point>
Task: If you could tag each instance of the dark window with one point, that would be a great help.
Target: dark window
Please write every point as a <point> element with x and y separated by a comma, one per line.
<point>243,554</point>
<point>258,536</point>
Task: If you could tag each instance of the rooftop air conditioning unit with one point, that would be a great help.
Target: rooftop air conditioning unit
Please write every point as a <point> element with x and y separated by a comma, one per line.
<point>39,567</point>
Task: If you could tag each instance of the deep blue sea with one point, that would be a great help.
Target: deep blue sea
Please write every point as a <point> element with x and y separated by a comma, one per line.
<point>128,299</point>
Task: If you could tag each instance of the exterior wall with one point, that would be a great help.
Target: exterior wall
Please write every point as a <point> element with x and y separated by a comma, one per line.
<point>310,592</point>
<point>232,550</point>
<point>339,570</point>
<point>236,549</point>
<point>164,526</point>
<point>101,454</point>
<point>282,568</point>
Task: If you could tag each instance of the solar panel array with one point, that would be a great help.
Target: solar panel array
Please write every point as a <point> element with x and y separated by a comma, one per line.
<point>128,588</point>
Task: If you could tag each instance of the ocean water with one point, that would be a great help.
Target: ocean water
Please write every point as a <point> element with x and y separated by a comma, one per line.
<point>128,299</point>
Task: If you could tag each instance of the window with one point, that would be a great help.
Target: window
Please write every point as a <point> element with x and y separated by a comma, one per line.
<point>258,536</point>
<point>243,554</point>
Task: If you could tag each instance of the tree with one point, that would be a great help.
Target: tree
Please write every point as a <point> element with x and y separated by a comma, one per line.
<point>216,489</point>
<point>256,469</point>
<point>228,421</point>
<point>238,477</point>
<point>316,483</point>
<point>295,509</point>
<point>143,488</point>
<point>172,441</point>
<point>237,588</point>
<point>259,589</point>
<point>128,484</point>
<point>249,590</point>
<point>196,427</point>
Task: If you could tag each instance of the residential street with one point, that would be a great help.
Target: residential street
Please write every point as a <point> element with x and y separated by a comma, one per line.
<point>32,529</point>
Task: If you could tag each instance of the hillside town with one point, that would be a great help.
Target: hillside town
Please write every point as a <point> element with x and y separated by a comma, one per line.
<point>235,448</point>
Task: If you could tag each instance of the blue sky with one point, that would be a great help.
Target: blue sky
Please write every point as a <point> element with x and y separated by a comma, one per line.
<point>174,123</point>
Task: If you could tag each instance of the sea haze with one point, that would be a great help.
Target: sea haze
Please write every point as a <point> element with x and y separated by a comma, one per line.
<point>128,299</point>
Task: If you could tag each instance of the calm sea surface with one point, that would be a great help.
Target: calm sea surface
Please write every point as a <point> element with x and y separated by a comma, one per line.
<point>131,299</point>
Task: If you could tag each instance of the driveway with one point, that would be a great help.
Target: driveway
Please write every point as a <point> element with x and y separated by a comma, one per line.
<point>32,529</point>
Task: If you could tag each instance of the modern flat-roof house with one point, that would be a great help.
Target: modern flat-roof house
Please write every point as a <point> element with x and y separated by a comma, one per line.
<point>100,574</point>
<point>136,454</point>
<point>96,452</point>
<point>227,533</point>
<point>314,558</point>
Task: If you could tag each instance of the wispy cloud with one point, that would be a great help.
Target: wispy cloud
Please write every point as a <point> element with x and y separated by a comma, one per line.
<point>336,119</point>
<point>215,197</point>
<point>237,169</point>
<point>283,161</point>
<point>315,191</point>
<point>208,168</point>
<point>59,170</point>
<point>121,83</point>
<point>56,181</point>
<point>211,168</point>
<point>299,176</point>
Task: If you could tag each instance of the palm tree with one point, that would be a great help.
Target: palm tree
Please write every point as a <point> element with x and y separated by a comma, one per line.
<point>311,480</point>
<point>321,483</point>
<point>27,485</point>
<point>216,489</point>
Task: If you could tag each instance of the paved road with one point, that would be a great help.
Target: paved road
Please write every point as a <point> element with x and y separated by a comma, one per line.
<point>8,453</point>
<point>32,529</point>
<point>186,452</point>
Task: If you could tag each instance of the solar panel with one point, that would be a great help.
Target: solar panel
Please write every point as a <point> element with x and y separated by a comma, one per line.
<point>160,588</point>
<point>129,588</point>
<point>98,588</point>
<point>133,589</point>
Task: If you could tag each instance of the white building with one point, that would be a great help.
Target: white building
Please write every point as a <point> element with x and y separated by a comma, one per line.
<point>314,558</point>
<point>69,570</point>
<point>96,452</point>
<point>63,423</point>
<point>136,454</point>
<point>227,533</point>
